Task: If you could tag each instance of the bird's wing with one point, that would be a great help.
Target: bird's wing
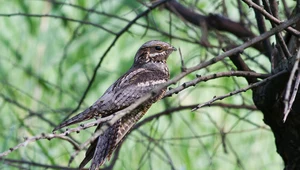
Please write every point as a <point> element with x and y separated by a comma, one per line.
<point>130,87</point>
<point>125,91</point>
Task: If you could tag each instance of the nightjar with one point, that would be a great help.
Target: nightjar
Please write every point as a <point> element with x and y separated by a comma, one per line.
<point>149,70</point>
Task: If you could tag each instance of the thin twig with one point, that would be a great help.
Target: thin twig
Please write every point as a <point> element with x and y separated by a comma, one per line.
<point>53,135</point>
<point>33,164</point>
<point>270,17</point>
<point>296,86</point>
<point>23,107</point>
<point>286,9</point>
<point>59,17</point>
<point>214,76</point>
<point>272,8</point>
<point>183,68</point>
<point>180,108</point>
<point>261,25</point>
<point>288,102</point>
<point>240,90</point>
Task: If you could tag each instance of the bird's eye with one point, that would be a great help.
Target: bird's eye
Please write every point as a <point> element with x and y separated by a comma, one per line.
<point>158,48</point>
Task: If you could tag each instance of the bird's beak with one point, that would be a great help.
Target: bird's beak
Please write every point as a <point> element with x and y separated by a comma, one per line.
<point>172,48</point>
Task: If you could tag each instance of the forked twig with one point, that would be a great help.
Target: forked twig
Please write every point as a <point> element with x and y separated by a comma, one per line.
<point>288,98</point>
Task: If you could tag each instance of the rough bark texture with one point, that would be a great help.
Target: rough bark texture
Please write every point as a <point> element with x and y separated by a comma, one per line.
<point>269,99</point>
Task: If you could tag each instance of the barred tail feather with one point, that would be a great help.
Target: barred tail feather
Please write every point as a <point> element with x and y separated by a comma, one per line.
<point>90,151</point>
<point>106,144</point>
<point>102,148</point>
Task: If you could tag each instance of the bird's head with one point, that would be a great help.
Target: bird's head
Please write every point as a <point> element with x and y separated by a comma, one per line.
<point>153,51</point>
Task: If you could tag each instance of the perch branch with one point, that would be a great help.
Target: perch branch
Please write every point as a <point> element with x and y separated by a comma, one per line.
<point>240,90</point>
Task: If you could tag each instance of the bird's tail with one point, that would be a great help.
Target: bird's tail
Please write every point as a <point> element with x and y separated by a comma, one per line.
<point>102,148</point>
<point>85,115</point>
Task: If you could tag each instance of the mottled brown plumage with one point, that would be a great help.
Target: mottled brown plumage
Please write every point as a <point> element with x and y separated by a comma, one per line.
<point>148,71</point>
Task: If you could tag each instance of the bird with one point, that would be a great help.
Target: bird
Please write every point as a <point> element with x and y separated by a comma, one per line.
<point>148,71</point>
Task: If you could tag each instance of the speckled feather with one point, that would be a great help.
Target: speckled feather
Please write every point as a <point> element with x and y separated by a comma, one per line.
<point>149,70</point>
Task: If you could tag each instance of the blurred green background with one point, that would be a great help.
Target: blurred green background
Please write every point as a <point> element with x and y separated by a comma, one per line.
<point>47,61</point>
